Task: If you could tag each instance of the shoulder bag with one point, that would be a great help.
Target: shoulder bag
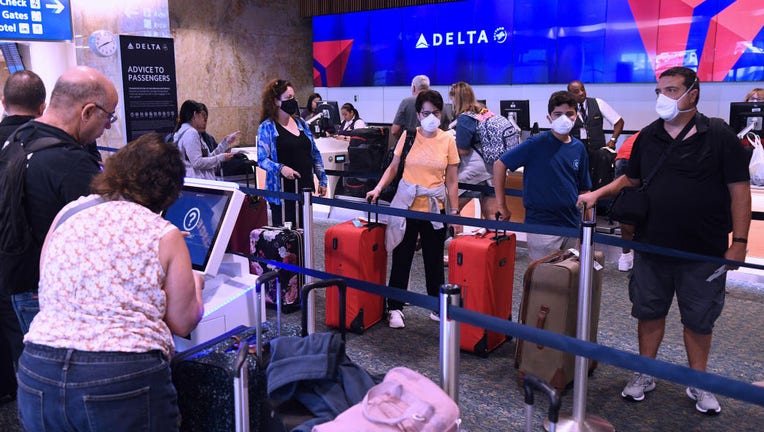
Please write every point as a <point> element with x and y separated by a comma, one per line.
<point>631,205</point>
<point>388,192</point>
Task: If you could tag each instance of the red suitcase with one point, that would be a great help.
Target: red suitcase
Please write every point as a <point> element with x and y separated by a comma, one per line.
<point>484,266</point>
<point>356,249</point>
<point>253,214</point>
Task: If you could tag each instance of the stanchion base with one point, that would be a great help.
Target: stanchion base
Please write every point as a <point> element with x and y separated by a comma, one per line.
<point>591,423</point>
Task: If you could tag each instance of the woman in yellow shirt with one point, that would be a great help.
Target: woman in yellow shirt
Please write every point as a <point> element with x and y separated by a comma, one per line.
<point>429,184</point>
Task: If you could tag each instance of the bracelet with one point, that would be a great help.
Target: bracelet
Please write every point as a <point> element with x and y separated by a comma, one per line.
<point>453,212</point>
<point>613,139</point>
<point>739,240</point>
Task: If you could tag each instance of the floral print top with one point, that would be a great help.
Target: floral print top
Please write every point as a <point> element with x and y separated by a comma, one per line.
<point>101,282</point>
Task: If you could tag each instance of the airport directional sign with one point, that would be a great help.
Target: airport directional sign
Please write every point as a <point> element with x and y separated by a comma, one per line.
<point>45,20</point>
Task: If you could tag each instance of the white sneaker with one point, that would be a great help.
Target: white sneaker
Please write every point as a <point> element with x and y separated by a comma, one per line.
<point>395,319</point>
<point>626,261</point>
<point>639,385</point>
<point>705,401</point>
<point>434,316</point>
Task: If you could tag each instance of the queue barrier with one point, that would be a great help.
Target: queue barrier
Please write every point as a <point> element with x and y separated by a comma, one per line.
<point>718,384</point>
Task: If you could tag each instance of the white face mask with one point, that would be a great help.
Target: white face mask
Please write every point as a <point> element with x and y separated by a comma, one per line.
<point>430,123</point>
<point>562,125</point>
<point>668,108</point>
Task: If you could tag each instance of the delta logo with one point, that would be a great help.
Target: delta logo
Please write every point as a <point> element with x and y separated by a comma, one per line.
<point>469,37</point>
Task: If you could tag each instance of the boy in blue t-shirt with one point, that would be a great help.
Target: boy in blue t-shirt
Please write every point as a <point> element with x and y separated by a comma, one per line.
<point>556,171</point>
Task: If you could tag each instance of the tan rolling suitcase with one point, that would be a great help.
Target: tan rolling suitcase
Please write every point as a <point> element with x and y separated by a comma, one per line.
<point>550,302</point>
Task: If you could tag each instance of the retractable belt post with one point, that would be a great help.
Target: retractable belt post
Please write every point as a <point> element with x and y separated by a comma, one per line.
<point>307,226</point>
<point>262,280</point>
<point>449,341</point>
<point>579,421</point>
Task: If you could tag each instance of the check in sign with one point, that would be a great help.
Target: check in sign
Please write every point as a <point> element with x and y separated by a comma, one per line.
<point>49,20</point>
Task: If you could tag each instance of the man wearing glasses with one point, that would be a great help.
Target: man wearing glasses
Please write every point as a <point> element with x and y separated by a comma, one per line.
<point>82,105</point>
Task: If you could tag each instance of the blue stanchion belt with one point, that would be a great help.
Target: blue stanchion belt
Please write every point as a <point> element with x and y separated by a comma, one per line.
<point>660,369</point>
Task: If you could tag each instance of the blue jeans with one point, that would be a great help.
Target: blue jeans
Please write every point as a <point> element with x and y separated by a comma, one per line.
<point>26,305</point>
<point>63,389</point>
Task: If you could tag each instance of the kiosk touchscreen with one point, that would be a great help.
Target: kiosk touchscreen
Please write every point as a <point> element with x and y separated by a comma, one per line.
<point>202,211</point>
<point>207,210</point>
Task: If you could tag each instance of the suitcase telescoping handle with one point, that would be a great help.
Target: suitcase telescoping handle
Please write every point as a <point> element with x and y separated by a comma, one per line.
<point>376,216</point>
<point>262,280</point>
<point>531,383</point>
<point>341,285</point>
<point>503,235</point>
<point>296,207</point>
<point>241,387</point>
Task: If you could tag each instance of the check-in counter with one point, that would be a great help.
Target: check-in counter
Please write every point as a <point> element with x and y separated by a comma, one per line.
<point>334,153</point>
<point>515,203</point>
<point>756,235</point>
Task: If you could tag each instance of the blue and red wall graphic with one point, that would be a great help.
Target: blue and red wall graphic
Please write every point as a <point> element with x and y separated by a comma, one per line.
<point>540,42</point>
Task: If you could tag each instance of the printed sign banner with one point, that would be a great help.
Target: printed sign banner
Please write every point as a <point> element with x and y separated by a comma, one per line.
<point>540,42</point>
<point>148,81</point>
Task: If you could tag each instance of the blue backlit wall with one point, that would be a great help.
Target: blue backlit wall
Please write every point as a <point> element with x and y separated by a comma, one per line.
<point>488,42</point>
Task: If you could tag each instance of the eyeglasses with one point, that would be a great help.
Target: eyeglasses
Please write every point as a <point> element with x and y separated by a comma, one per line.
<point>427,113</point>
<point>112,117</point>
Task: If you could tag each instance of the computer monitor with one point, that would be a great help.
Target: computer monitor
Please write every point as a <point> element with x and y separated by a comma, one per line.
<point>331,115</point>
<point>519,109</point>
<point>207,210</point>
<point>745,114</point>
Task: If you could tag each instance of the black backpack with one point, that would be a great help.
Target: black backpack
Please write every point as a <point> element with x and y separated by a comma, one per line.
<point>16,242</point>
<point>388,193</point>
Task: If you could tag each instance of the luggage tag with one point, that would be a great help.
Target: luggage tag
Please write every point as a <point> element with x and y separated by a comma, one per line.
<point>597,266</point>
<point>720,271</point>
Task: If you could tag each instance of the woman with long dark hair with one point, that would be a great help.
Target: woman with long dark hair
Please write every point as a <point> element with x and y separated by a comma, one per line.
<point>286,148</point>
<point>199,160</point>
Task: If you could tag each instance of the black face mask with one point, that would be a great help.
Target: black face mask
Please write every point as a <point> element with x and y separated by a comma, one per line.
<point>290,106</point>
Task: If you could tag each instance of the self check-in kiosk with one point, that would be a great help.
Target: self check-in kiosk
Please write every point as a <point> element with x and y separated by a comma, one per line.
<point>207,211</point>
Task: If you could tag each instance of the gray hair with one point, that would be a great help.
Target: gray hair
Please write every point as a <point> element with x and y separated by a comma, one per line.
<point>420,82</point>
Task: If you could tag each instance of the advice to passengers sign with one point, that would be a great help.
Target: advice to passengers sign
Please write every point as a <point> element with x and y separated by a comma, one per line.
<point>148,82</point>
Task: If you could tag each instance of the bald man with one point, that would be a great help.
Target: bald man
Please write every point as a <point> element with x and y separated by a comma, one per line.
<point>82,105</point>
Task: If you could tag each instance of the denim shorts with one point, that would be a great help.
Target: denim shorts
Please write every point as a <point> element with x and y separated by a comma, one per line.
<point>654,281</point>
<point>62,389</point>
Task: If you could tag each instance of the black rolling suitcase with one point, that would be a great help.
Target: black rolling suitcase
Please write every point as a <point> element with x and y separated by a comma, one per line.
<point>204,375</point>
